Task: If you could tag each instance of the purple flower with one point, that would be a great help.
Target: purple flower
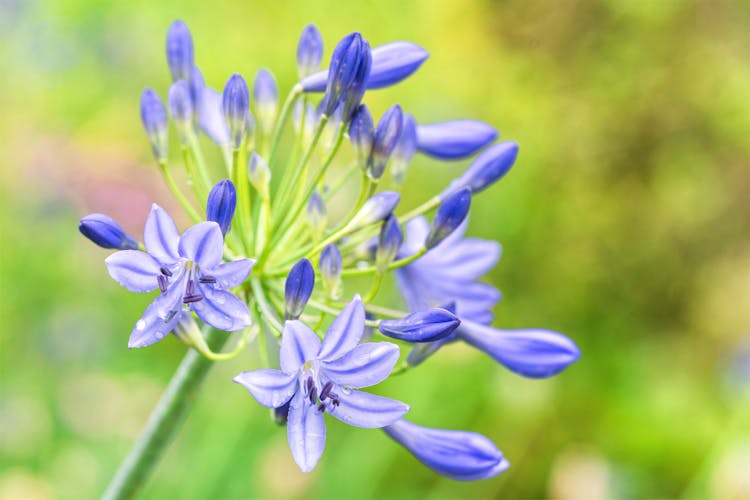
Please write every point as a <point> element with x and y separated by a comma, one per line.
<point>222,201</point>
<point>423,326</point>
<point>455,139</point>
<point>298,288</point>
<point>235,102</point>
<point>487,168</point>
<point>384,141</point>
<point>189,273</point>
<point>154,118</point>
<point>317,378</point>
<point>460,455</point>
<point>179,50</point>
<point>106,232</point>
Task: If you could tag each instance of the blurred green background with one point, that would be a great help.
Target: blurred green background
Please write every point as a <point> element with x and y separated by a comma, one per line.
<point>625,224</point>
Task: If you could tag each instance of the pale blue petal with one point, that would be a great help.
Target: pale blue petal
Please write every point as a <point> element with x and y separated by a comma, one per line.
<point>231,274</point>
<point>361,409</point>
<point>133,269</point>
<point>210,117</point>
<point>151,327</point>
<point>269,387</point>
<point>203,243</point>
<point>365,365</point>
<point>160,235</point>
<point>345,332</point>
<point>455,139</point>
<point>298,345</point>
<point>306,432</point>
<point>220,309</point>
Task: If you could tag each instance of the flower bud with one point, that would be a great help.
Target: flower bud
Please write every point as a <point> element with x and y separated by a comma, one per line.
<point>197,85</point>
<point>384,141</point>
<point>154,118</point>
<point>361,130</point>
<point>179,51</point>
<point>406,147</point>
<point>266,97</point>
<point>487,168</point>
<point>222,201</point>
<point>450,214</point>
<point>329,134</point>
<point>235,102</point>
<point>181,108</point>
<point>105,232</point>
<point>389,243</point>
<point>455,139</point>
<point>317,215</point>
<point>347,65</point>
<point>422,326</point>
<point>375,209</point>
<point>354,93</point>
<point>460,455</point>
<point>258,174</point>
<point>330,270</point>
<point>309,50</point>
<point>298,288</point>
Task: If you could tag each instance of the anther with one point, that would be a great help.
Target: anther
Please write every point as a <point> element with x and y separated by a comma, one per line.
<point>322,408</point>
<point>207,279</point>
<point>190,288</point>
<point>165,271</point>
<point>313,395</point>
<point>189,299</point>
<point>162,283</point>
<point>309,384</point>
<point>326,390</point>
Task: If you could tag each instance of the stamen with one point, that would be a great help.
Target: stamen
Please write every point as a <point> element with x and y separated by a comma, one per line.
<point>190,288</point>
<point>162,283</point>
<point>326,390</point>
<point>322,408</point>
<point>313,395</point>
<point>334,398</point>
<point>207,279</point>
<point>189,299</point>
<point>165,271</point>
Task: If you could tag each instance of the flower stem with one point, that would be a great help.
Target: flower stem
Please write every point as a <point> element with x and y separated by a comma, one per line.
<point>163,422</point>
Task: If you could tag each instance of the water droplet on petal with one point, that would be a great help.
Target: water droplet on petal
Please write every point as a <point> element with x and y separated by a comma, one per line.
<point>140,325</point>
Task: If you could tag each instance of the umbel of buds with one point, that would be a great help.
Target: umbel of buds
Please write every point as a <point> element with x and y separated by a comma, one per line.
<point>292,239</point>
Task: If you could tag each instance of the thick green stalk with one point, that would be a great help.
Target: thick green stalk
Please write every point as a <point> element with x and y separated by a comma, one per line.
<point>164,421</point>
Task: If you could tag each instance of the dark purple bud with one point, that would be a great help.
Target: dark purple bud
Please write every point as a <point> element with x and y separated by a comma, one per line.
<point>389,242</point>
<point>154,118</point>
<point>330,269</point>
<point>375,209</point>
<point>222,201</point>
<point>181,107</point>
<point>487,168</point>
<point>361,131</point>
<point>384,141</point>
<point>309,51</point>
<point>422,326</point>
<point>459,455</point>
<point>346,66</point>
<point>450,214</point>
<point>179,51</point>
<point>391,63</point>
<point>454,140</point>
<point>235,102</point>
<point>406,147</point>
<point>298,288</point>
<point>105,232</point>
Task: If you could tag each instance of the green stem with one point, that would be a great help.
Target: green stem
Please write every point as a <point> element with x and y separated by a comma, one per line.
<point>286,110</point>
<point>163,422</point>
<point>178,193</point>
<point>393,265</point>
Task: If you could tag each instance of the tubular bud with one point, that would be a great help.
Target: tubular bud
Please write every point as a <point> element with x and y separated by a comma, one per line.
<point>309,50</point>
<point>330,270</point>
<point>450,214</point>
<point>375,209</point>
<point>105,232</point>
<point>180,55</point>
<point>384,141</point>
<point>406,147</point>
<point>235,102</point>
<point>154,118</point>
<point>389,242</point>
<point>317,215</point>
<point>347,66</point>
<point>361,131</point>
<point>422,326</point>
<point>181,108</point>
<point>222,201</point>
<point>487,168</point>
<point>298,288</point>
<point>259,174</point>
<point>266,97</point>
<point>455,139</point>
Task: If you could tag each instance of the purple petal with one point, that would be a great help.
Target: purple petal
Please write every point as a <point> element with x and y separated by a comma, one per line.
<point>365,365</point>
<point>455,139</point>
<point>203,244</point>
<point>160,235</point>
<point>231,274</point>
<point>133,269</point>
<point>422,326</point>
<point>299,344</point>
<point>220,309</point>
<point>460,455</point>
<point>532,353</point>
<point>345,332</point>
<point>362,409</point>
<point>306,432</point>
<point>210,117</point>
<point>151,328</point>
<point>269,387</point>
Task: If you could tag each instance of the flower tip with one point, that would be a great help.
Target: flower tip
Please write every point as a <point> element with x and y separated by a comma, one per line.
<point>450,214</point>
<point>105,232</point>
<point>298,288</point>
<point>180,57</point>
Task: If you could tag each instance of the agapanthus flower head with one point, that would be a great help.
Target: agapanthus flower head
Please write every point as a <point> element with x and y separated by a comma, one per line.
<point>450,214</point>
<point>309,50</point>
<point>180,55</point>
<point>181,108</point>
<point>361,132</point>
<point>154,119</point>
<point>106,232</point>
<point>454,139</point>
<point>406,148</point>
<point>298,288</point>
<point>235,102</point>
<point>384,141</point>
<point>323,377</point>
<point>221,204</point>
<point>488,167</point>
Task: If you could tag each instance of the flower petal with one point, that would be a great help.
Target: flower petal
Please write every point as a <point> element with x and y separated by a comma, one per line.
<point>455,139</point>
<point>160,235</point>
<point>269,387</point>
<point>366,410</point>
<point>298,345</point>
<point>210,117</point>
<point>232,274</point>
<point>532,353</point>
<point>345,331</point>
<point>222,310</point>
<point>151,328</point>
<point>306,432</point>
<point>133,269</point>
<point>203,244</point>
<point>365,365</point>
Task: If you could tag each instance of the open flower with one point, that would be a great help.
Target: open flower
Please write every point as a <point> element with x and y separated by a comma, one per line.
<point>317,378</point>
<point>189,273</point>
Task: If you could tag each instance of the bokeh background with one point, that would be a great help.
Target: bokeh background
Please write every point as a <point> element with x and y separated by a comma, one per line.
<point>625,224</point>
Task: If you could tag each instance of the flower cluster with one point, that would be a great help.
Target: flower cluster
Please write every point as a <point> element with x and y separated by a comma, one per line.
<point>269,257</point>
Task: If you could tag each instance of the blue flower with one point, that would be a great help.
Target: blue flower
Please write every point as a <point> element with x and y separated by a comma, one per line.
<point>106,232</point>
<point>455,139</point>
<point>460,455</point>
<point>189,273</point>
<point>317,378</point>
